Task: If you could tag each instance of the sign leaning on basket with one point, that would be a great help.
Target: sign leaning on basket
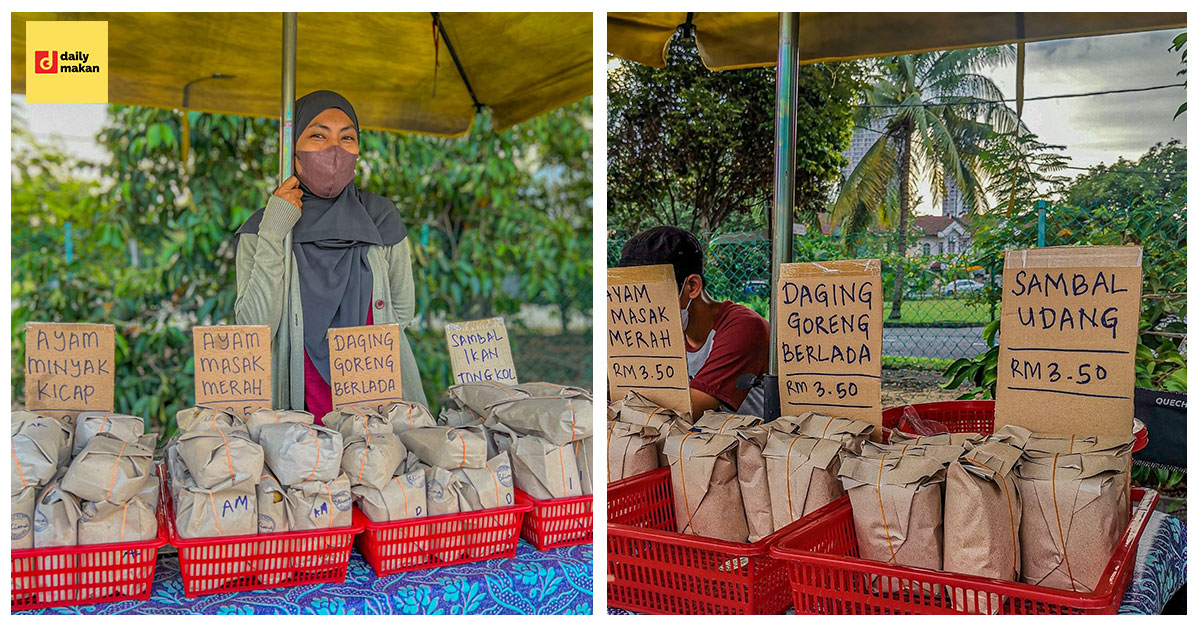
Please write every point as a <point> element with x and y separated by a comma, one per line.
<point>233,367</point>
<point>830,338</point>
<point>1068,337</point>
<point>364,365</point>
<point>69,368</point>
<point>479,351</point>
<point>645,337</point>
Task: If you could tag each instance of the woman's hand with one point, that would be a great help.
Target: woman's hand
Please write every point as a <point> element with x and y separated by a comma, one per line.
<point>290,191</point>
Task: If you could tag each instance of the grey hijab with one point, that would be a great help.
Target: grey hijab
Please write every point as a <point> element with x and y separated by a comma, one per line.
<point>330,243</point>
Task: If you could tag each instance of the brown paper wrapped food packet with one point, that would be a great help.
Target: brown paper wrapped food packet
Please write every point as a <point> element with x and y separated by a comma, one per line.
<point>983,520</point>
<point>372,459</point>
<point>897,508</point>
<point>454,417</point>
<point>272,505</point>
<point>550,389</point>
<point>802,475</point>
<point>753,481</point>
<point>713,422</point>
<point>110,469</point>
<point>205,418</point>
<point>105,522</point>
<point>944,454</point>
<point>448,447</point>
<point>708,499</point>
<point>356,420</point>
<point>227,509</point>
<point>220,455</point>
<point>56,518</point>
<point>126,427</point>
<point>38,445</point>
<point>964,439</point>
<point>441,496</point>
<point>632,449</point>
<point>319,506</point>
<point>557,420</point>
<point>583,461</point>
<point>295,452</point>
<point>270,416</point>
<point>479,395</point>
<point>402,498</point>
<point>408,415</point>
<point>482,489</point>
<point>1075,507</point>
<point>850,433</point>
<point>544,470</point>
<point>638,410</point>
<point>24,504</point>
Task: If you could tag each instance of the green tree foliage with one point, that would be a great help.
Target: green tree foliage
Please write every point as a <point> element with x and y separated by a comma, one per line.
<point>1022,169</point>
<point>692,147</point>
<point>934,112</point>
<point>498,220</point>
<point>1159,176</point>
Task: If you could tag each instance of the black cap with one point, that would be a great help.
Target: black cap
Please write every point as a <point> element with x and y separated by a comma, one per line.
<point>665,245</point>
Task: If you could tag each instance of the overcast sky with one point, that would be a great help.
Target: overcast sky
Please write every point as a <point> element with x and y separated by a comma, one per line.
<point>1095,129</point>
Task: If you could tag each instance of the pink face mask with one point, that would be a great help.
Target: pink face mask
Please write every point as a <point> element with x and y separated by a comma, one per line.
<point>326,172</point>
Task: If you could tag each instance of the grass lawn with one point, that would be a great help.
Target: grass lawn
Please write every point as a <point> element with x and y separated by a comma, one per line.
<point>939,310</point>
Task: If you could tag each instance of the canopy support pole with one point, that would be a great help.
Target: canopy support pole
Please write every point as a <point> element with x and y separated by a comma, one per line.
<point>287,97</point>
<point>785,186</point>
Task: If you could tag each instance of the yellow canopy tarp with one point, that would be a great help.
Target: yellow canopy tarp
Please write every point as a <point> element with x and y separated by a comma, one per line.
<point>519,65</point>
<point>728,41</point>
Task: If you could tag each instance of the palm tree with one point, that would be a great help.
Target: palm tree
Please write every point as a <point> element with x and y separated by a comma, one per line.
<point>933,112</point>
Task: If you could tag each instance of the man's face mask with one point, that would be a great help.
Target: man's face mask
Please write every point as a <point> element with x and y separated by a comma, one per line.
<point>683,314</point>
<point>326,172</point>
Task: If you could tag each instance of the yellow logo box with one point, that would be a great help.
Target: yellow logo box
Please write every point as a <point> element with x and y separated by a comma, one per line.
<point>66,62</point>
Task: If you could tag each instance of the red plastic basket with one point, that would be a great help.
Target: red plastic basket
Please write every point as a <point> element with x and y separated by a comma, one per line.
<point>423,543</point>
<point>85,574</point>
<point>261,561</point>
<point>827,576</point>
<point>557,522</point>
<point>653,569</point>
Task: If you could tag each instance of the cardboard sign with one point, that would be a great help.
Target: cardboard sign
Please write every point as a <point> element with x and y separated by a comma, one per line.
<point>829,317</point>
<point>233,367</point>
<point>69,368</point>
<point>1068,338</point>
<point>645,337</point>
<point>479,352</point>
<point>364,365</point>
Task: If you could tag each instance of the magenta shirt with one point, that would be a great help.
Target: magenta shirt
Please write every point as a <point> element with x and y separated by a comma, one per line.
<point>318,395</point>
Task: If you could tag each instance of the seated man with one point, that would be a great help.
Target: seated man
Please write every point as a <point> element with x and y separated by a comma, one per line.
<point>724,340</point>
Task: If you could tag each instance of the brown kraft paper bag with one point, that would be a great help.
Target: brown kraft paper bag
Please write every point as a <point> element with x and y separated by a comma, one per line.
<point>272,519</point>
<point>544,470</point>
<point>38,446</point>
<point>802,475</point>
<point>448,447</point>
<point>708,500</point>
<point>56,518</point>
<point>319,506</point>
<point>372,459</point>
<point>943,454</point>
<point>850,433</point>
<point>1075,507</point>
<point>983,520</point>
<point>103,523</point>
<point>583,461</point>
<point>227,509</point>
<point>402,498</point>
<point>451,417</point>
<point>24,504</point>
<point>632,449</point>
<point>43,423</point>
<point>204,418</point>
<point>713,422</point>
<point>897,509</point>
<point>482,489</point>
<point>442,498</point>
<point>295,452</point>
<point>355,420</point>
<point>554,419</point>
<point>220,455</point>
<point>124,426</point>
<point>110,469</point>
<point>752,479</point>
<point>479,395</point>
<point>550,389</point>
<point>270,416</point>
<point>408,415</point>
<point>638,410</point>
<point>964,439</point>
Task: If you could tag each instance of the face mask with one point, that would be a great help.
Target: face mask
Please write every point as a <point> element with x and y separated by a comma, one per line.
<point>326,172</point>
<point>683,314</point>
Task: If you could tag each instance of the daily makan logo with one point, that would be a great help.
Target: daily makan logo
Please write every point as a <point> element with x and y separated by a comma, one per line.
<point>46,62</point>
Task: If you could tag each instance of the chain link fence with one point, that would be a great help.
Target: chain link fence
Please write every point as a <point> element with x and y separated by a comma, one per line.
<point>952,270</point>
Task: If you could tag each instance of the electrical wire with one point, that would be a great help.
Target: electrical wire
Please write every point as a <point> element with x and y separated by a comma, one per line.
<point>973,102</point>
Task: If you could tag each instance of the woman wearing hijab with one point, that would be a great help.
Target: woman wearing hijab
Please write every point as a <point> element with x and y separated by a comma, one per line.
<point>349,264</point>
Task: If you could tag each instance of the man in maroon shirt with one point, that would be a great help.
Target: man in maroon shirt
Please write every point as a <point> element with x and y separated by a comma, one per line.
<point>724,340</point>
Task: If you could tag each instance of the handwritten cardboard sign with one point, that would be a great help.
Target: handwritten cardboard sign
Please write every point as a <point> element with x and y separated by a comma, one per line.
<point>364,365</point>
<point>69,367</point>
<point>829,317</point>
<point>645,337</point>
<point>1068,339</point>
<point>479,352</point>
<point>233,367</point>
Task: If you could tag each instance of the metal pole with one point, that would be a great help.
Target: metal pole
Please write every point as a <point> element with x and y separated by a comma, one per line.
<point>785,185</point>
<point>1041,209</point>
<point>287,96</point>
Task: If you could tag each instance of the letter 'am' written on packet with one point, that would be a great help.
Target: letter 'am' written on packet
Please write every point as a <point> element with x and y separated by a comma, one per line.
<point>233,367</point>
<point>479,352</point>
<point>645,337</point>
<point>69,367</point>
<point>364,365</point>
<point>830,328</point>
<point>1068,339</point>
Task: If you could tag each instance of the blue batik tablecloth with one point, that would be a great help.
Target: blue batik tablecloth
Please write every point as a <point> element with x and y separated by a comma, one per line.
<point>1160,572</point>
<point>557,581</point>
